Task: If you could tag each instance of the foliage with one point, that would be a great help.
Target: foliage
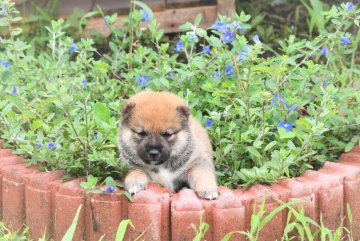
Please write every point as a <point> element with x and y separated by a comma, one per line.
<point>270,113</point>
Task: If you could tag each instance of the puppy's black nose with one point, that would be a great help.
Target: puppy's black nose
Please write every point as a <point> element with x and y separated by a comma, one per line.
<point>154,153</point>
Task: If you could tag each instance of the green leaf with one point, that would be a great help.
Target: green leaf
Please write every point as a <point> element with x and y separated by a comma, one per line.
<point>70,232</point>
<point>285,135</point>
<point>197,19</point>
<point>120,233</point>
<point>253,151</point>
<point>101,112</point>
<point>270,145</point>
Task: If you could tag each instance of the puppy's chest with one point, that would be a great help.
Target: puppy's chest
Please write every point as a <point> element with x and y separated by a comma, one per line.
<point>165,177</point>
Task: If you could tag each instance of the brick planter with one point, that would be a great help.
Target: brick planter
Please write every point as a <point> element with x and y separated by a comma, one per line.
<point>47,205</point>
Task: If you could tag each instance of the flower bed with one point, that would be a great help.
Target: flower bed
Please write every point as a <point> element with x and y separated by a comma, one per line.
<point>48,203</point>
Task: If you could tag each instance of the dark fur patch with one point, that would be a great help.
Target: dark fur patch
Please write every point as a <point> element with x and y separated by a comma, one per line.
<point>126,112</point>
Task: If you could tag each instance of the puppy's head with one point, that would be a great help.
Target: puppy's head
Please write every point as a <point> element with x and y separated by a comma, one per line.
<point>154,126</point>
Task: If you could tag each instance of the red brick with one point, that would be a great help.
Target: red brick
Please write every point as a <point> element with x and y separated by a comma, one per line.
<point>299,191</point>
<point>5,153</point>
<point>39,204</point>
<point>253,197</point>
<point>104,215</point>
<point>350,157</point>
<point>351,183</point>
<point>329,195</point>
<point>228,215</point>
<point>284,195</point>
<point>13,194</point>
<point>356,149</point>
<point>67,200</point>
<point>150,214</point>
<point>186,210</point>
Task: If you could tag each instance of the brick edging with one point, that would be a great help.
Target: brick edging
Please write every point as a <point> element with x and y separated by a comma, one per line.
<point>45,202</point>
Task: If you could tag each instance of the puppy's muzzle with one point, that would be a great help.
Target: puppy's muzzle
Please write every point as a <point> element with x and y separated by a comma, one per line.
<point>154,153</point>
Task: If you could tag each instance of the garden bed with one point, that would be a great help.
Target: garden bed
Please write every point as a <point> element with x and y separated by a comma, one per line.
<point>48,203</point>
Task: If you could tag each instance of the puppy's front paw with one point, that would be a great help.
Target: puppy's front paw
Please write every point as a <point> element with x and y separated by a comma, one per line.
<point>135,181</point>
<point>208,194</point>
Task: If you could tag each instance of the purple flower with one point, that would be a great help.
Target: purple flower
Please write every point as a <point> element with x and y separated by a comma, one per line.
<point>51,145</point>
<point>208,123</point>
<point>73,48</point>
<point>179,46</point>
<point>145,16</point>
<point>193,38</point>
<point>286,125</point>
<point>278,98</point>
<point>110,189</point>
<point>220,26</point>
<point>106,20</point>
<point>13,90</point>
<point>6,64</point>
<point>228,70</point>
<point>228,37</point>
<point>324,51</point>
<point>350,6</point>
<point>256,39</point>
<point>206,49</point>
<point>243,53</point>
<point>84,81</point>
<point>217,73</point>
<point>170,74</point>
<point>38,146</point>
<point>345,41</point>
<point>293,107</point>
<point>142,80</point>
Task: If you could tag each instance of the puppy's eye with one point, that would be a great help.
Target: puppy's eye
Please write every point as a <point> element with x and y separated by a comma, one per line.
<point>167,134</point>
<point>142,134</point>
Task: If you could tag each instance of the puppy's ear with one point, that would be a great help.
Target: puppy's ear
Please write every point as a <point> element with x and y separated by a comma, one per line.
<point>127,111</point>
<point>184,112</point>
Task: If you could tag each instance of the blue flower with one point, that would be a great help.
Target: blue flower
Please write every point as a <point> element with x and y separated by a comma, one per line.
<point>293,107</point>
<point>142,80</point>
<point>243,53</point>
<point>228,70</point>
<point>208,123</point>
<point>13,90</point>
<point>217,73</point>
<point>350,6</point>
<point>51,145</point>
<point>345,41</point>
<point>145,16</point>
<point>170,74</point>
<point>73,48</point>
<point>237,26</point>
<point>193,38</point>
<point>324,51</point>
<point>95,137</point>
<point>6,64</point>
<point>325,84</point>
<point>206,49</point>
<point>38,146</point>
<point>278,98</point>
<point>110,189</point>
<point>84,81</point>
<point>179,46</point>
<point>228,37</point>
<point>256,39</point>
<point>286,125</point>
<point>106,20</point>
<point>220,26</point>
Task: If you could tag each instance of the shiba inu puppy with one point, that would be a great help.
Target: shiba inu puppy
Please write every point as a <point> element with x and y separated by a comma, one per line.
<point>162,142</point>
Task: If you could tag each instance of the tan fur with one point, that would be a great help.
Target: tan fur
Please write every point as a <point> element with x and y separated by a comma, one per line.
<point>157,112</point>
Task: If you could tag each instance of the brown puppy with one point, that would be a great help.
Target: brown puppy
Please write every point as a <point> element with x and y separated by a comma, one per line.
<point>162,142</point>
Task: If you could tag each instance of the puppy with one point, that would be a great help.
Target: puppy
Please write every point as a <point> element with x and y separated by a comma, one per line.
<point>162,142</point>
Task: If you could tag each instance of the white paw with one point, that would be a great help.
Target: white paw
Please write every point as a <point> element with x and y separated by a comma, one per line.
<point>136,187</point>
<point>210,195</point>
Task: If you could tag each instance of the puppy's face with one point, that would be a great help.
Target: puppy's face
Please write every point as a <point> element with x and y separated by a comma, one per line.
<point>154,127</point>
